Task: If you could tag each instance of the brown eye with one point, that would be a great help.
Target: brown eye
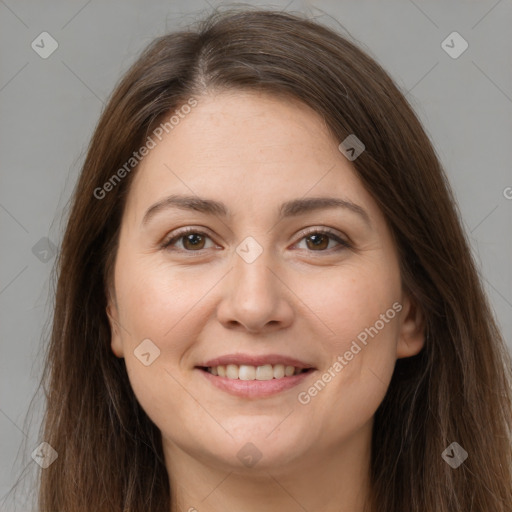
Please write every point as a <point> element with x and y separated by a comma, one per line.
<point>318,241</point>
<point>191,241</point>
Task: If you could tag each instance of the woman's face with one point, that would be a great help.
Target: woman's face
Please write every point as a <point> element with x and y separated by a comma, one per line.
<point>259,285</point>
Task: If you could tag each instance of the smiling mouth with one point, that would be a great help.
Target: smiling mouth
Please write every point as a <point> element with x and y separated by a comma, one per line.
<point>264,372</point>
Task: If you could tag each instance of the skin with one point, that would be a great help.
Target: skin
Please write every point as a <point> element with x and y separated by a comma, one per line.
<point>253,151</point>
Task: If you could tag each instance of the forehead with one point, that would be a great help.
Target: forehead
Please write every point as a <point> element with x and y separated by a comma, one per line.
<point>249,149</point>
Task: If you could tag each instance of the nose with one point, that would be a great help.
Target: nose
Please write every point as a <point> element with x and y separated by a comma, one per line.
<point>255,297</point>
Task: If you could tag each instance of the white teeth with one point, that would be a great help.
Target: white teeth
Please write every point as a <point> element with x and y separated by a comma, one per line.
<point>279,371</point>
<point>248,372</point>
<point>232,371</point>
<point>265,372</point>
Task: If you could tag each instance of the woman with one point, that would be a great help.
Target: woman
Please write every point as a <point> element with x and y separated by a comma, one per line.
<point>265,298</point>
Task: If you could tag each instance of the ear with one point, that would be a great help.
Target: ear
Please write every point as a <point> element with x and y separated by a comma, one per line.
<point>411,337</point>
<point>116,343</point>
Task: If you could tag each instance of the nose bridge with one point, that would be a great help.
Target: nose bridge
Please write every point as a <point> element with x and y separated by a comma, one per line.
<point>253,296</point>
<point>251,273</point>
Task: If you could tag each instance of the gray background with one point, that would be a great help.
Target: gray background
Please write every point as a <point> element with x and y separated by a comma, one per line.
<point>50,106</point>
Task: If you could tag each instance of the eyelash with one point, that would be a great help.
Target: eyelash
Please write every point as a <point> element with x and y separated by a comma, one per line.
<point>186,231</point>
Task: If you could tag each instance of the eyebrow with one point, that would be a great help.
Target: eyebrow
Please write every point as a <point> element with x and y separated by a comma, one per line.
<point>291,208</point>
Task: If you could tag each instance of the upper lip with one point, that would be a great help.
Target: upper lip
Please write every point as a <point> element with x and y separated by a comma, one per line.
<point>252,360</point>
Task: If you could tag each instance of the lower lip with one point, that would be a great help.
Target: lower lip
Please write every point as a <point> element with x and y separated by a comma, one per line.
<point>255,388</point>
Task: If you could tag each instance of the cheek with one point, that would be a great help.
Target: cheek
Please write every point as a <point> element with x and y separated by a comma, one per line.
<point>169,306</point>
<point>352,299</point>
<point>166,401</point>
<point>160,304</point>
<point>361,308</point>
<point>157,301</point>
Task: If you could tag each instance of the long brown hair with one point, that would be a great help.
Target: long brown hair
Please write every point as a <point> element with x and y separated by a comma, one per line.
<point>457,389</point>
